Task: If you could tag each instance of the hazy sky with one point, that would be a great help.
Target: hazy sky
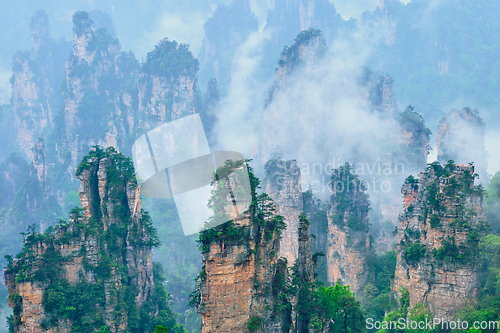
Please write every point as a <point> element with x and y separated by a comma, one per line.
<point>139,24</point>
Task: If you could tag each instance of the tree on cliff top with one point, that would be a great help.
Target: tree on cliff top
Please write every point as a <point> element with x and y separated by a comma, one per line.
<point>170,60</point>
<point>349,200</point>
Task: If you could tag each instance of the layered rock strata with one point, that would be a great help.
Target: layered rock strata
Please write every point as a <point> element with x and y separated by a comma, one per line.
<point>35,82</point>
<point>284,186</point>
<point>438,238</point>
<point>348,239</point>
<point>236,287</point>
<point>106,246</point>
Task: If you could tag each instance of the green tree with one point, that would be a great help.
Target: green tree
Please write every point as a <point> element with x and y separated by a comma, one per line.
<point>161,329</point>
<point>337,309</point>
<point>396,315</point>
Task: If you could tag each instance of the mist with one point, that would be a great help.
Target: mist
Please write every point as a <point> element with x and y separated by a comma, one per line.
<point>319,114</point>
<point>338,99</point>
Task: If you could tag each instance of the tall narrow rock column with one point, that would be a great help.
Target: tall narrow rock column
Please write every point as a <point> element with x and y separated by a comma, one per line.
<point>283,186</point>
<point>439,237</point>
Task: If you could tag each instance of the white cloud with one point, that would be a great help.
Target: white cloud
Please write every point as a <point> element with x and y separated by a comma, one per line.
<point>5,88</point>
<point>186,29</point>
<point>354,8</point>
<point>492,143</point>
<point>239,115</point>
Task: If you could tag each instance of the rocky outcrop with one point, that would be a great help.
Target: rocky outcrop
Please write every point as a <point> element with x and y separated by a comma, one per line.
<point>348,239</point>
<point>305,274</point>
<point>105,250</point>
<point>35,84</point>
<point>377,91</point>
<point>290,17</point>
<point>106,101</point>
<point>307,49</point>
<point>39,159</point>
<point>236,288</point>
<point>438,238</point>
<point>99,94</point>
<point>414,136</point>
<point>284,187</point>
<point>227,29</point>
<point>167,88</point>
<point>460,138</point>
<point>236,279</point>
<point>316,212</point>
<point>297,15</point>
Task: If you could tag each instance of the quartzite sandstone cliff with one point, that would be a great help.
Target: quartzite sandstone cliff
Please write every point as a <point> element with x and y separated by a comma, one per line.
<point>106,249</point>
<point>438,237</point>
<point>284,187</point>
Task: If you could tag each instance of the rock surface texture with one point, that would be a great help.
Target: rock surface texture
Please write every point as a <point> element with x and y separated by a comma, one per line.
<point>283,186</point>
<point>348,239</point>
<point>105,247</point>
<point>438,238</point>
<point>236,287</point>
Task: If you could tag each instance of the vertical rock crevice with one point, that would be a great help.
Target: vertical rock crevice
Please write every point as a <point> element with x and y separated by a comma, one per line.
<point>438,238</point>
<point>104,251</point>
<point>283,185</point>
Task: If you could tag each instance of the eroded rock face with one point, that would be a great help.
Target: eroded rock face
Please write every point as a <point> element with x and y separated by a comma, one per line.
<point>106,100</point>
<point>236,288</point>
<point>227,29</point>
<point>39,159</point>
<point>109,246</point>
<point>167,88</point>
<point>307,48</point>
<point>348,239</point>
<point>99,94</point>
<point>237,281</point>
<point>284,187</point>
<point>438,238</point>
<point>346,261</point>
<point>34,85</point>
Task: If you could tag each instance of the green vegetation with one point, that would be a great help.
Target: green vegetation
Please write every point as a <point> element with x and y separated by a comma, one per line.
<point>336,308</point>
<point>413,122</point>
<point>349,199</point>
<point>101,40</point>
<point>83,302</point>
<point>291,55</point>
<point>492,203</point>
<point>401,312</point>
<point>161,329</point>
<point>486,306</point>
<point>255,323</point>
<point>461,32</point>
<point>412,253</point>
<point>317,307</point>
<point>262,209</point>
<point>316,211</point>
<point>458,188</point>
<point>170,60</point>
<point>81,23</point>
<point>179,256</point>
<point>376,299</point>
